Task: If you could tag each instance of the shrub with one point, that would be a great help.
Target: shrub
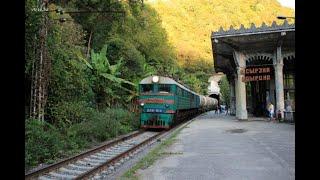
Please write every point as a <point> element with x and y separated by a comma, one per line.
<point>66,114</point>
<point>104,125</point>
<point>87,126</point>
<point>43,142</point>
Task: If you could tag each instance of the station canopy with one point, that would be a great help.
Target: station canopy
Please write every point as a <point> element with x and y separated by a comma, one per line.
<point>263,39</point>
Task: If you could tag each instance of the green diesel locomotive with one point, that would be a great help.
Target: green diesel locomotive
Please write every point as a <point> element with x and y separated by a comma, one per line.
<point>164,102</point>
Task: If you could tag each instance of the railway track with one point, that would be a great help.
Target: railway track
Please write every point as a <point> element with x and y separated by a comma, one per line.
<point>104,158</point>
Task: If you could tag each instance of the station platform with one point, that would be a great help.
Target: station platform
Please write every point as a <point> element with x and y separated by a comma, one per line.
<point>221,147</point>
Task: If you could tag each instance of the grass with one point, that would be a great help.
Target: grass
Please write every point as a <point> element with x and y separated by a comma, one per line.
<point>152,156</point>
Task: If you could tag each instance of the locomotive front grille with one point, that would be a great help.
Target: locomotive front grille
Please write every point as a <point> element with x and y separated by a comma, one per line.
<point>155,121</point>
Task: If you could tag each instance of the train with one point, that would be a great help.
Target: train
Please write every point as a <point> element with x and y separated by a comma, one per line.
<point>165,103</point>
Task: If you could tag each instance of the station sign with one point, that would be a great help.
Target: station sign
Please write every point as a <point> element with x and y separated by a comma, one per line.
<point>261,73</point>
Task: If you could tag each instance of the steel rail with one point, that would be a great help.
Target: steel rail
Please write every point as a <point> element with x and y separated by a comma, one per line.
<point>61,163</point>
<point>112,161</point>
<point>115,159</point>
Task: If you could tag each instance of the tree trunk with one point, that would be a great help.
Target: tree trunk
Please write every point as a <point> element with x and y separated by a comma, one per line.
<point>40,70</point>
<point>89,43</point>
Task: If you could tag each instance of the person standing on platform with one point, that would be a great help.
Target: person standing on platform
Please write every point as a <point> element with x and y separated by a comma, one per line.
<point>271,111</point>
<point>227,110</point>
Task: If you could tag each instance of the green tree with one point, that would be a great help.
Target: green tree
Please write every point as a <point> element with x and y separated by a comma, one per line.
<point>106,83</point>
<point>225,90</point>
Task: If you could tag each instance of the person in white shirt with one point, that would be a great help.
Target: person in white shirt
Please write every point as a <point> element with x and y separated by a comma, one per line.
<point>271,110</point>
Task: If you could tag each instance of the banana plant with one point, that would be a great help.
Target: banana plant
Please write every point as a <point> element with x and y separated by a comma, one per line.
<point>101,65</point>
<point>101,68</point>
<point>148,70</point>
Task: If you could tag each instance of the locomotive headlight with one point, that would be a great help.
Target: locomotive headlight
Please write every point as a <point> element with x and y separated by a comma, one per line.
<point>142,104</point>
<point>155,79</point>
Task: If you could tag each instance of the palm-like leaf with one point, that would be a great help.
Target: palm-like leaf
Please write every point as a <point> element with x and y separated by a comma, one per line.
<point>78,53</point>
<point>116,68</point>
<point>100,61</point>
<point>148,70</point>
<point>115,79</point>
<point>102,68</point>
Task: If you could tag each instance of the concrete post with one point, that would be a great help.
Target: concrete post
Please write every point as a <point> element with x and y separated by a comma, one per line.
<point>240,87</point>
<point>278,73</point>
<point>241,109</point>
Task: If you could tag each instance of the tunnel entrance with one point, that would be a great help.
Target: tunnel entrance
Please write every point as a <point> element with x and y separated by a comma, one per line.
<point>216,96</point>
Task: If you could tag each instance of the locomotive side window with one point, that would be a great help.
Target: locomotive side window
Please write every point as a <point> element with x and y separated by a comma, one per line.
<point>146,88</point>
<point>164,88</point>
<point>178,91</point>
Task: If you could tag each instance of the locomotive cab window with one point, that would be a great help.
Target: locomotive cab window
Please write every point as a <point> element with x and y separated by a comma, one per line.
<point>146,88</point>
<point>164,88</point>
<point>178,92</point>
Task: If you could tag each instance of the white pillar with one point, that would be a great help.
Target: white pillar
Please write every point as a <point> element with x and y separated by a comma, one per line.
<point>240,87</point>
<point>278,74</point>
<point>241,109</point>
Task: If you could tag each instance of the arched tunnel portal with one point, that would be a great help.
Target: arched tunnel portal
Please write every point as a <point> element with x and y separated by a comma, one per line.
<point>216,96</point>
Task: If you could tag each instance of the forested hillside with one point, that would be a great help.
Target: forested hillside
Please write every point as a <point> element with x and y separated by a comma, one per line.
<point>189,23</point>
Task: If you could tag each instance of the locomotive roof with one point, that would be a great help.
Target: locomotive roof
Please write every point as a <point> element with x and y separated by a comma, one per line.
<point>165,80</point>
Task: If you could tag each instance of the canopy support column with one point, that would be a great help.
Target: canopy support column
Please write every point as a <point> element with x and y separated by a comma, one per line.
<point>240,87</point>
<point>278,72</point>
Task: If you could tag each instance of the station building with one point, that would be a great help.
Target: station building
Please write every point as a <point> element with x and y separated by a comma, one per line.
<point>259,63</point>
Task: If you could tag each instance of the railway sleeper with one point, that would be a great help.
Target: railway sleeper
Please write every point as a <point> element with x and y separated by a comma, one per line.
<point>100,156</point>
<point>97,157</point>
<point>86,163</point>
<point>80,167</point>
<point>66,170</point>
<point>116,152</point>
<point>61,176</point>
<point>119,148</point>
<point>107,155</point>
<point>90,160</point>
<point>127,145</point>
<point>112,154</point>
<point>105,152</point>
<point>45,177</point>
<point>132,142</point>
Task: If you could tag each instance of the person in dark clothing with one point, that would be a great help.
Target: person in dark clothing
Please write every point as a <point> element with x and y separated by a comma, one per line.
<point>217,110</point>
<point>227,109</point>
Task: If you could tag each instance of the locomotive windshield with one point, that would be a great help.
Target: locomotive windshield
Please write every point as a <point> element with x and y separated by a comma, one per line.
<point>146,88</point>
<point>164,88</point>
<point>155,88</point>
